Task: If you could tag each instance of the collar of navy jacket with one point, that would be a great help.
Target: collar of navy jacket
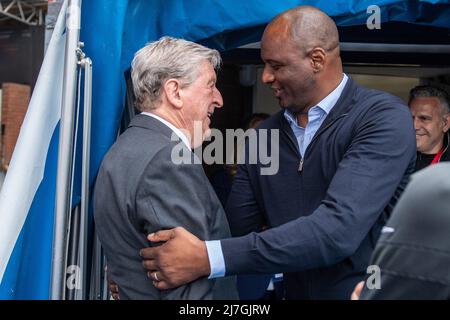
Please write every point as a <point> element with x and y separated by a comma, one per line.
<point>343,105</point>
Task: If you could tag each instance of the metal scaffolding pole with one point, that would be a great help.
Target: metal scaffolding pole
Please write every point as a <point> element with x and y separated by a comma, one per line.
<point>65,153</point>
<point>27,12</point>
<point>85,63</point>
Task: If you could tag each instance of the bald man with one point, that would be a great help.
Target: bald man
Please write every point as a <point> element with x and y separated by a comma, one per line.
<point>346,153</point>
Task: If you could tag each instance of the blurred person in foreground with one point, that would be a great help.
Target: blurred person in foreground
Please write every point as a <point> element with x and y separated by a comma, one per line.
<point>413,252</point>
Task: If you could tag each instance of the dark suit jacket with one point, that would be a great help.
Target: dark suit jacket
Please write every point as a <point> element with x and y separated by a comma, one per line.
<point>139,190</point>
<point>325,219</point>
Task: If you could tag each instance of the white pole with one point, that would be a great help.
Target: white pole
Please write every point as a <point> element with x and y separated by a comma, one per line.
<point>86,63</point>
<point>65,153</point>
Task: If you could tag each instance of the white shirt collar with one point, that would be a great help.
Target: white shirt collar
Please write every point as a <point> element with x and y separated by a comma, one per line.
<point>177,131</point>
<point>327,103</point>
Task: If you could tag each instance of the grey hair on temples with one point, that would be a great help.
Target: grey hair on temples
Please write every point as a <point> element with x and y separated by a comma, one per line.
<point>167,58</point>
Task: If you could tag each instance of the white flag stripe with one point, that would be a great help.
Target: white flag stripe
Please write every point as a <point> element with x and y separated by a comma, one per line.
<point>27,165</point>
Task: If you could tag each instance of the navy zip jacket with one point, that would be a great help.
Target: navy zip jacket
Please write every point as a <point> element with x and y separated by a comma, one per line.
<point>324,212</point>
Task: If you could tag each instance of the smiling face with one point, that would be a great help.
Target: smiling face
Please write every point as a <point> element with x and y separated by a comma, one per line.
<point>287,69</point>
<point>200,98</point>
<point>430,124</point>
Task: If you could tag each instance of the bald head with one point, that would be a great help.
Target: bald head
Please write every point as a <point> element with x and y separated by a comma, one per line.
<point>308,27</point>
<point>302,63</point>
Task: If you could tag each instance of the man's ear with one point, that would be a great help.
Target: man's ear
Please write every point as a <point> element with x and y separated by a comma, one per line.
<point>446,122</point>
<point>172,92</point>
<point>318,57</point>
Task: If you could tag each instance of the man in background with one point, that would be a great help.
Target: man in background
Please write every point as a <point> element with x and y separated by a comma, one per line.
<point>430,110</point>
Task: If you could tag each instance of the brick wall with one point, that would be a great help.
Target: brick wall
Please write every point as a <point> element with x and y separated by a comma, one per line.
<point>15,99</point>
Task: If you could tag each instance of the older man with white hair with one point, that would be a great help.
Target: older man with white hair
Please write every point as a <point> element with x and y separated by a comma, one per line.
<point>140,189</point>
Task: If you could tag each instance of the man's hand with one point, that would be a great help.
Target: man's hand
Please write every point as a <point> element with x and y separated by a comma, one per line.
<point>181,259</point>
<point>113,287</point>
<point>357,291</point>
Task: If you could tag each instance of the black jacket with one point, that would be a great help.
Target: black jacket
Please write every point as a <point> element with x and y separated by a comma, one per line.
<point>413,252</point>
<point>325,218</point>
<point>424,160</point>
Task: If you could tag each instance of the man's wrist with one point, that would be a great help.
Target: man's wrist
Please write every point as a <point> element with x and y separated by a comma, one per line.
<point>206,267</point>
<point>216,260</point>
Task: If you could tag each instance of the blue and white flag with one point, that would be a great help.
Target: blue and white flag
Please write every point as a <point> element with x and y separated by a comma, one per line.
<point>27,198</point>
<point>112,32</point>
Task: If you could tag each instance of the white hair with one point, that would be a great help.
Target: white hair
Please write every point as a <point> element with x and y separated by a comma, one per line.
<point>167,58</point>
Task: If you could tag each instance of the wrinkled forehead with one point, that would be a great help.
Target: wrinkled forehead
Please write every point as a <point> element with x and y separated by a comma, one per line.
<point>205,72</point>
<point>428,105</point>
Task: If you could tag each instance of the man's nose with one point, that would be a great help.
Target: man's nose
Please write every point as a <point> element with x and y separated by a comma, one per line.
<point>416,123</point>
<point>218,100</point>
<point>267,75</point>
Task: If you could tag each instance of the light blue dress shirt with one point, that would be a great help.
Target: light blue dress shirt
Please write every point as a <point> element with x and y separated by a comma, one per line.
<point>316,116</point>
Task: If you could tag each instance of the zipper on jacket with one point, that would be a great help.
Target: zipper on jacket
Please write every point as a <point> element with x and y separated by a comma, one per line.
<point>293,143</point>
<point>300,167</point>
